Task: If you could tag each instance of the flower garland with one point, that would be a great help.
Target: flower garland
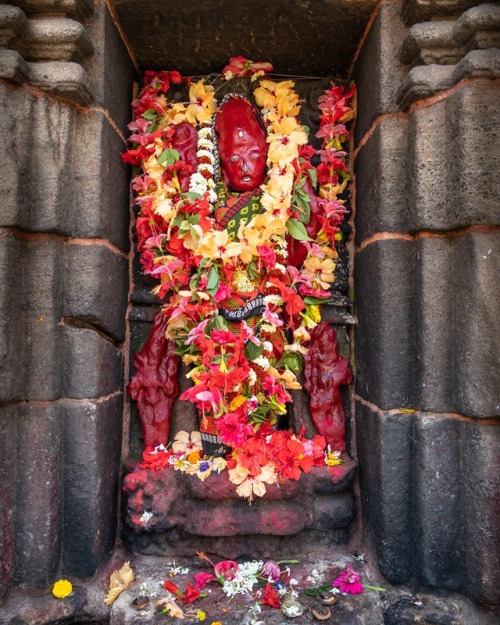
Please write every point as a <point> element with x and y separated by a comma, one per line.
<point>242,380</point>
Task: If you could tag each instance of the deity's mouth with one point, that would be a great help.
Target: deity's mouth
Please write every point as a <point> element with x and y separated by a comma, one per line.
<point>246,178</point>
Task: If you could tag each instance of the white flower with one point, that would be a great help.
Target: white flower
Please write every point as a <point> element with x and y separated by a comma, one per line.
<point>272,299</point>
<point>268,346</point>
<point>146,517</point>
<point>205,133</point>
<point>206,167</point>
<point>252,377</point>
<point>268,327</point>
<point>205,144</point>
<point>206,153</point>
<point>262,362</point>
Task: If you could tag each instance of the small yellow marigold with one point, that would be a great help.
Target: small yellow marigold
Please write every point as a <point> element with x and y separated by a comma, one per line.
<point>193,457</point>
<point>215,623</point>
<point>62,589</point>
<point>314,313</point>
<point>238,401</point>
<point>200,615</point>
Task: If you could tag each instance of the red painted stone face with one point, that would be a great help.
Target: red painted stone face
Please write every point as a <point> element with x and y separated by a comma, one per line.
<point>242,145</point>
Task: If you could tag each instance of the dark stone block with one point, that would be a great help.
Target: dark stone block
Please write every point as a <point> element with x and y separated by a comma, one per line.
<point>381,181</point>
<point>91,366</point>
<point>92,437</point>
<point>38,491</point>
<point>407,181</point>
<point>438,501</point>
<point>386,476</point>
<point>386,347</point>
<point>70,178</point>
<point>8,453</point>
<point>51,287</point>
<point>481,505</point>
<point>95,288</point>
<point>378,72</point>
<point>408,353</point>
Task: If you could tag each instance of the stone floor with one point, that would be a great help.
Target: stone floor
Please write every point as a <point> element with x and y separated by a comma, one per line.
<point>400,605</point>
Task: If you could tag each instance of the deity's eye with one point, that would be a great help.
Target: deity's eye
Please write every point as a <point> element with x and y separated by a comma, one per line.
<point>255,155</point>
<point>234,157</point>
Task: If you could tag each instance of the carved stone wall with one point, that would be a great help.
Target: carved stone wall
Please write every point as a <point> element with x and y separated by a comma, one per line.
<point>426,279</point>
<point>65,90</point>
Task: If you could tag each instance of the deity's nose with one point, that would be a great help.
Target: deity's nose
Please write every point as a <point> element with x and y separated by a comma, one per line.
<point>244,166</point>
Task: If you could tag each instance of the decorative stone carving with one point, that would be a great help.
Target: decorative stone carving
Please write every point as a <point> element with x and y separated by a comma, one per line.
<point>34,45</point>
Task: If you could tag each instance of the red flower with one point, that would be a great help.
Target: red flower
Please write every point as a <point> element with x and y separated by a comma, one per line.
<point>171,587</point>
<point>191,594</point>
<point>270,596</point>
<point>293,459</point>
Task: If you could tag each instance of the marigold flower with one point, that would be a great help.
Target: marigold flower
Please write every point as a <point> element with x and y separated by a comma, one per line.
<point>62,589</point>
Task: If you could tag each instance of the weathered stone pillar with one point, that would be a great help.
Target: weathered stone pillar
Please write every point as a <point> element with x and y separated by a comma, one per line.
<point>65,90</point>
<point>426,271</point>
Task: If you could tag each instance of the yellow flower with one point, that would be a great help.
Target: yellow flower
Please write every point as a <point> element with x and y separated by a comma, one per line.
<point>249,239</point>
<point>185,442</point>
<point>249,486</point>
<point>314,313</point>
<point>202,97</point>
<point>238,401</point>
<point>320,270</point>
<point>62,589</point>
<point>330,191</point>
<point>215,623</point>
<point>217,244</point>
<point>200,615</point>
<point>288,377</point>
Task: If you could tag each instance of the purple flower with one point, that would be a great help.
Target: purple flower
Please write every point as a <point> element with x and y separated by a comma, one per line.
<point>349,581</point>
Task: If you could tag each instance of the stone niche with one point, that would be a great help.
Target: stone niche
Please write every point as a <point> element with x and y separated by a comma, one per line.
<point>186,515</point>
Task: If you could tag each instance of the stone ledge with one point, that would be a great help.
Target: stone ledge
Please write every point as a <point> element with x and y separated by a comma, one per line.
<point>424,81</point>
<point>479,27</point>
<point>414,11</point>
<point>431,42</point>
<point>54,39</point>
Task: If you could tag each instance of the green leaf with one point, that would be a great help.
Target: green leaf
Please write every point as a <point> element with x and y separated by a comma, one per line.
<point>190,195</point>
<point>253,351</point>
<point>297,230</point>
<point>252,271</point>
<point>194,234</point>
<point>311,299</point>
<point>302,200</point>
<point>213,281</point>
<point>314,177</point>
<point>150,114</point>
<point>169,155</point>
<point>290,360</point>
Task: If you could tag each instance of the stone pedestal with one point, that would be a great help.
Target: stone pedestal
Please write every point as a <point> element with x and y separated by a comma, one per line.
<point>291,520</point>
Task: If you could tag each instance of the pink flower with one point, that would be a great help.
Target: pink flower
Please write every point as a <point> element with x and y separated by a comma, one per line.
<point>226,569</point>
<point>232,431</point>
<point>223,292</point>
<point>202,579</point>
<point>271,570</point>
<point>349,581</point>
